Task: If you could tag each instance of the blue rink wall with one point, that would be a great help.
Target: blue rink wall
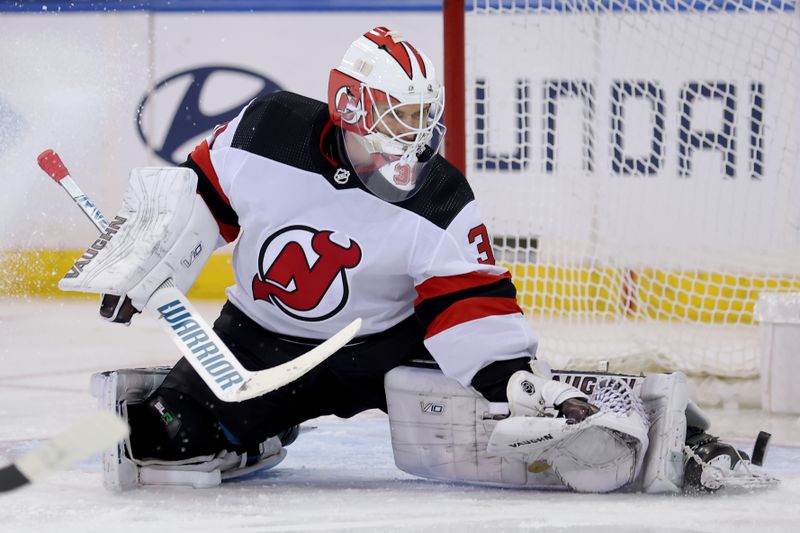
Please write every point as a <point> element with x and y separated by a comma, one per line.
<point>391,5</point>
<point>222,5</point>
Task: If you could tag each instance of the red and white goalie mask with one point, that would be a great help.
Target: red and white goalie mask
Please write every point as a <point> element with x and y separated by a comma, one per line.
<point>386,100</point>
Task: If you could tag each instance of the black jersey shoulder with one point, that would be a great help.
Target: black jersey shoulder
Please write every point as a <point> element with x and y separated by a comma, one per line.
<point>284,127</point>
<point>443,196</point>
<point>287,127</point>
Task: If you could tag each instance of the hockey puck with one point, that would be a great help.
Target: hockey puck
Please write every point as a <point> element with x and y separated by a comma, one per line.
<point>760,448</point>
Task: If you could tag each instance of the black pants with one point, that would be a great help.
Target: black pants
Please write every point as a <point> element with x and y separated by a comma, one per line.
<point>348,382</point>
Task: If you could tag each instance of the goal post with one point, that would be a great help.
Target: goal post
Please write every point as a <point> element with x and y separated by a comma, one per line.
<point>638,164</point>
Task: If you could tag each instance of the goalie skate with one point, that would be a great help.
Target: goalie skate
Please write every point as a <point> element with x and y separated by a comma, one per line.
<point>712,465</point>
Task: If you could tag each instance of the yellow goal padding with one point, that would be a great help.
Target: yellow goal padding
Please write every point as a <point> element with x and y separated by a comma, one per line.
<point>691,296</point>
<point>36,273</point>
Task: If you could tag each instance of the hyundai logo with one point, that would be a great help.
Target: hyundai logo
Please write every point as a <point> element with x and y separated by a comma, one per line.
<point>174,116</point>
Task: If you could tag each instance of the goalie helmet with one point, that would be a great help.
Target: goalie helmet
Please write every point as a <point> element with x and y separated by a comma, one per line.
<point>386,100</point>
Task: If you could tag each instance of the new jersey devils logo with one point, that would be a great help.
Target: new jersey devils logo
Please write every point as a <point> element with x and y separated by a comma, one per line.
<point>301,271</point>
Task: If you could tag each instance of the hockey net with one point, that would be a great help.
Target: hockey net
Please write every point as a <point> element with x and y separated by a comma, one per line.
<point>638,165</point>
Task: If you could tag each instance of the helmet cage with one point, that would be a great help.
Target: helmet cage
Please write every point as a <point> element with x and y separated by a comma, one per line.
<point>354,107</point>
<point>384,117</point>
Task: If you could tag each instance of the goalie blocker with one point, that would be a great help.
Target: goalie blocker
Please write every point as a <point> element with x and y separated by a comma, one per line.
<point>637,441</point>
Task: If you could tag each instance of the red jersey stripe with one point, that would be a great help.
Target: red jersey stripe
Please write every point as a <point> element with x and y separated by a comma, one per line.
<point>322,136</point>
<point>228,232</point>
<point>217,131</point>
<point>440,286</point>
<point>471,309</point>
<point>202,157</point>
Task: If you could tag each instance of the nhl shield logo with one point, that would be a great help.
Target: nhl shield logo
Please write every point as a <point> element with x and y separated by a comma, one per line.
<point>341,176</point>
<point>303,272</point>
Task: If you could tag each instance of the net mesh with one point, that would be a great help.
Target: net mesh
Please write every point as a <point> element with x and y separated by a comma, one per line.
<point>637,163</point>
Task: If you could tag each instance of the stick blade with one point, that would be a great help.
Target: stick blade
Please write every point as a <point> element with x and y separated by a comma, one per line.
<point>11,478</point>
<point>270,379</point>
<point>51,163</point>
<point>91,435</point>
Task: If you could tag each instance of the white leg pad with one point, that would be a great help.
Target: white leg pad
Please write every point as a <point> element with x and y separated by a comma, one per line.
<point>441,430</point>
<point>665,398</point>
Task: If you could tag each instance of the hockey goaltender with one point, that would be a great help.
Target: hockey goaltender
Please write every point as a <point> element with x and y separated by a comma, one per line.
<point>345,209</point>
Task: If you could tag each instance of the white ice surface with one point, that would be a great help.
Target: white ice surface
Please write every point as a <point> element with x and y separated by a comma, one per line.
<point>337,477</point>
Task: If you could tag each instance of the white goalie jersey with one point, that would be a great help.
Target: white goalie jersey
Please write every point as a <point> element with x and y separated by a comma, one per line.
<point>316,249</point>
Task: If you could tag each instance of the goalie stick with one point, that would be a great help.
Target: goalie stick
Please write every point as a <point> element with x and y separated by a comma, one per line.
<point>223,373</point>
<point>91,435</point>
